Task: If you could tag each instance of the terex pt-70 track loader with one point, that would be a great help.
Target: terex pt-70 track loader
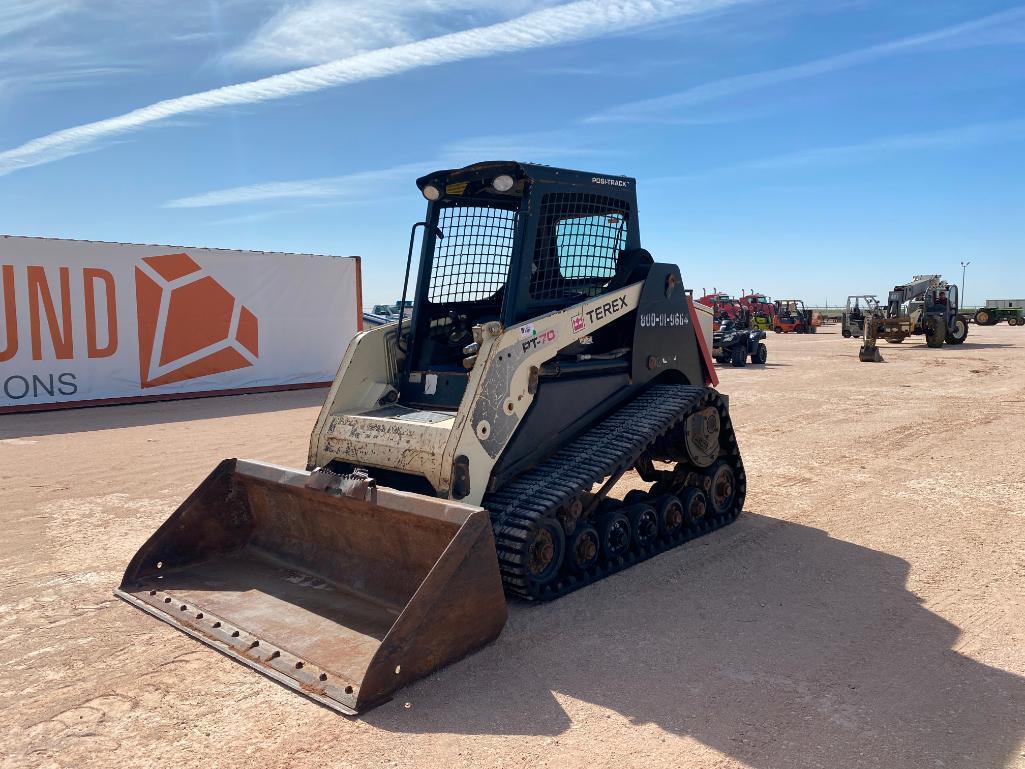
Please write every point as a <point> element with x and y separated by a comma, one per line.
<point>464,450</point>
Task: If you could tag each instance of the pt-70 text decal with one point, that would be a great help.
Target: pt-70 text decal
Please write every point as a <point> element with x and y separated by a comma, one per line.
<point>539,340</point>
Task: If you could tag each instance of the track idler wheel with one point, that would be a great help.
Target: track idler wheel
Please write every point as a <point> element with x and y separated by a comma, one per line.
<point>643,523</point>
<point>615,535</point>
<point>583,549</point>
<point>723,492</point>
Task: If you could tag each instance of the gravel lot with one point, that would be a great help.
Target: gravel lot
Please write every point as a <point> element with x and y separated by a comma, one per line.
<point>867,610</point>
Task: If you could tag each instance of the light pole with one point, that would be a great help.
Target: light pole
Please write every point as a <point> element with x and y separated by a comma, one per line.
<point>964,300</point>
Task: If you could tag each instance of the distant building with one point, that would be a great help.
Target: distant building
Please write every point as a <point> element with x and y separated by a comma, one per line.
<point>1005,303</point>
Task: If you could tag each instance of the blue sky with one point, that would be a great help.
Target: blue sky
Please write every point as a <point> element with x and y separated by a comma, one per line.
<point>799,148</point>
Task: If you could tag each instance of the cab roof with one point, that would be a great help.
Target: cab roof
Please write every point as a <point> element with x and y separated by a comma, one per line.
<point>529,171</point>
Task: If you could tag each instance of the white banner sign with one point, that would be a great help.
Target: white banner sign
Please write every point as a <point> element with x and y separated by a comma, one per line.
<point>83,321</point>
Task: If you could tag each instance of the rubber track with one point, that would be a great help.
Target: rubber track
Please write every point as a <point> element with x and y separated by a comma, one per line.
<point>616,442</point>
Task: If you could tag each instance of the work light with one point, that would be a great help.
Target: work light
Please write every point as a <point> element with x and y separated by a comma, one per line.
<point>503,183</point>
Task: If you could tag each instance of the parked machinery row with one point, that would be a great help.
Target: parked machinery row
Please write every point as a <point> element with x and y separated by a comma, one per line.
<point>740,325</point>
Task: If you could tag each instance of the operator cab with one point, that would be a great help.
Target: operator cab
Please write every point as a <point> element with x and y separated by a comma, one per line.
<point>942,299</point>
<point>508,242</point>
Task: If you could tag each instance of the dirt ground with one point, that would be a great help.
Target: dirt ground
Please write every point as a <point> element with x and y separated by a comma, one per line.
<point>867,610</point>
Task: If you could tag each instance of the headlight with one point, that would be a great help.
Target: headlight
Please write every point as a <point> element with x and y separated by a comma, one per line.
<point>503,183</point>
<point>431,192</point>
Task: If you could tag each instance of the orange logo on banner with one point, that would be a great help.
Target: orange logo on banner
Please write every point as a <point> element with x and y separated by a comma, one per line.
<point>189,325</point>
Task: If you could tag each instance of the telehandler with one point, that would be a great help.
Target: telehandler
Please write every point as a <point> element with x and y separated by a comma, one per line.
<point>928,306</point>
<point>468,450</point>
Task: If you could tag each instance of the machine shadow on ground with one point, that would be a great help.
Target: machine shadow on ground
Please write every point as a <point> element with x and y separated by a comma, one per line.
<point>162,412</point>
<point>966,345</point>
<point>768,641</point>
<point>969,345</point>
<point>753,366</point>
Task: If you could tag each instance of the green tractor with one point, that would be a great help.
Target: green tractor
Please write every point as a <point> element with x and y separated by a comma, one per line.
<point>990,316</point>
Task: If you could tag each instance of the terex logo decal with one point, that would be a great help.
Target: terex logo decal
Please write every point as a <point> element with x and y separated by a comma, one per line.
<point>614,307</point>
<point>189,324</point>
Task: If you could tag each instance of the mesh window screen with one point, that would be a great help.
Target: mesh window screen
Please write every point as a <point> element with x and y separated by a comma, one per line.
<point>472,261</point>
<point>579,238</point>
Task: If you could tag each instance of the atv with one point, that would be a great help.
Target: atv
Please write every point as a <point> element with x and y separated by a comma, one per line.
<point>734,344</point>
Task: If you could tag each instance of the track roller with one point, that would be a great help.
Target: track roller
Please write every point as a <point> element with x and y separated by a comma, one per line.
<point>643,523</point>
<point>583,549</point>
<point>616,536</point>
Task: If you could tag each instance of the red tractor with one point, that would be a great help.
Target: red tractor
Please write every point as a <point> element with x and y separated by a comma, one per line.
<point>724,307</point>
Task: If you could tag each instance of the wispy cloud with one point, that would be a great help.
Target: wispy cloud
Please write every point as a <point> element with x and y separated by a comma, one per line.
<point>1006,27</point>
<point>357,187</point>
<point>345,187</point>
<point>21,15</point>
<point>960,137</point>
<point>576,21</point>
<point>67,77</point>
<point>318,31</point>
<point>51,44</point>
<point>538,146</point>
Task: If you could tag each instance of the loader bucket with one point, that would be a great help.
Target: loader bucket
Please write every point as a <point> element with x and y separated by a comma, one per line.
<point>870,356</point>
<point>342,599</point>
